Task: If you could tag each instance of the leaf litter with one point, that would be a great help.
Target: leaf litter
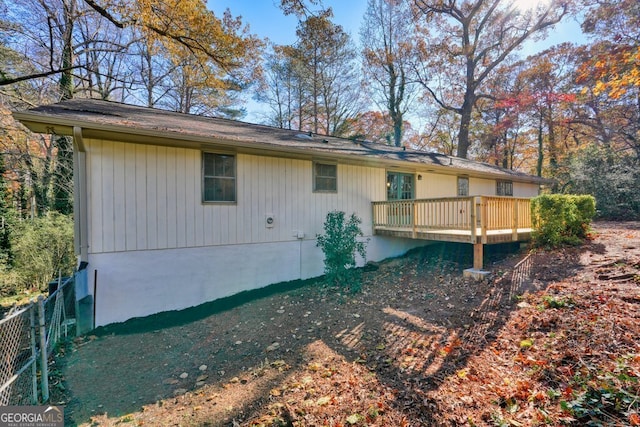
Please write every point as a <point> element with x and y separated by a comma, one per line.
<point>552,338</point>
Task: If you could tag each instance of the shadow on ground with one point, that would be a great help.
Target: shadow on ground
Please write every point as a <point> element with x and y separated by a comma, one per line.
<point>415,322</point>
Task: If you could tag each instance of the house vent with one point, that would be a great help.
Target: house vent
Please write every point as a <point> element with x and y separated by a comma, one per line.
<point>269,221</point>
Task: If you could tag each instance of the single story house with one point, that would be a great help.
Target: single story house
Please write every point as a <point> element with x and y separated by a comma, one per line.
<point>173,210</point>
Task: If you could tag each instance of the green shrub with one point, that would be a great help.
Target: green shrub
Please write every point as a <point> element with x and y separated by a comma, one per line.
<point>41,247</point>
<point>560,219</point>
<point>340,243</point>
<point>585,212</point>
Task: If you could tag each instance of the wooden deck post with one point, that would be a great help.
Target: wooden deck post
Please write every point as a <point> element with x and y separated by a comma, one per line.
<point>478,261</point>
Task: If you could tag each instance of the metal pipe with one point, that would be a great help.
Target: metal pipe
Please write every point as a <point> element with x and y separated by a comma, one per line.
<point>80,195</point>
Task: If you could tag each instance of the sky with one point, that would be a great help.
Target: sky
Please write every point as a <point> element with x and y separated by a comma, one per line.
<point>266,20</point>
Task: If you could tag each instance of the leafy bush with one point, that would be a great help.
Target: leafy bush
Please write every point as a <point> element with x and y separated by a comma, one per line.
<point>41,248</point>
<point>340,243</point>
<point>561,219</point>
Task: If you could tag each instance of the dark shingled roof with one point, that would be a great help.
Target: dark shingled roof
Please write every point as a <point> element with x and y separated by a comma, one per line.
<point>123,118</point>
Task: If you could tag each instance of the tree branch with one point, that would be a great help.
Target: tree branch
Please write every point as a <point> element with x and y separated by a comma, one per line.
<point>440,102</point>
<point>102,11</point>
<point>5,81</point>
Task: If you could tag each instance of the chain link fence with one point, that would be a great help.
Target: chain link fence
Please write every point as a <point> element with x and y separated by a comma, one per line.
<point>28,338</point>
<point>18,364</point>
<point>59,314</point>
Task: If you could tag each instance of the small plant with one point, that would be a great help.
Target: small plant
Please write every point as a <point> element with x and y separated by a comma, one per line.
<point>340,244</point>
<point>603,394</point>
<point>549,301</point>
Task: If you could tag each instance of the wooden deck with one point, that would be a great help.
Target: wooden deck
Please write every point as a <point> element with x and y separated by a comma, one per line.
<point>478,220</point>
<point>460,236</point>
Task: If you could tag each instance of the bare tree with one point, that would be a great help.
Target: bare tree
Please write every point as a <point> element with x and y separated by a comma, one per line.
<point>463,42</point>
<point>324,56</point>
<point>387,39</point>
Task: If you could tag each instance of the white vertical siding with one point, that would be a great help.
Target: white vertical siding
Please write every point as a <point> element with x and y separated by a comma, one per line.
<point>161,199</point>
<point>140,184</point>
<point>95,200</point>
<point>145,198</point>
<point>192,196</point>
<point>521,189</point>
<point>152,196</point>
<point>172,190</point>
<point>119,203</point>
<point>131,213</point>
<point>482,187</point>
<point>106,183</point>
<point>434,185</point>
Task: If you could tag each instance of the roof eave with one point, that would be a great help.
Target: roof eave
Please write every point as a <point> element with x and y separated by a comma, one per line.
<point>45,123</point>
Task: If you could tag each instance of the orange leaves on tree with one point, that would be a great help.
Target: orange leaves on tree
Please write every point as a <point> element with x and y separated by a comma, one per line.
<point>612,72</point>
<point>216,46</point>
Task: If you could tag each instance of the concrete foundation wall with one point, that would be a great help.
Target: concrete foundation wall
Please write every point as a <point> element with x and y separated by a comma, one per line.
<point>140,283</point>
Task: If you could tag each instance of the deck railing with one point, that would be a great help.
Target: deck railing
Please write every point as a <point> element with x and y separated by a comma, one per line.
<point>467,217</point>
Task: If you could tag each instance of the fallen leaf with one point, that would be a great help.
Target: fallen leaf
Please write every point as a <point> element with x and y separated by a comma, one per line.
<point>528,343</point>
<point>323,401</point>
<point>354,418</point>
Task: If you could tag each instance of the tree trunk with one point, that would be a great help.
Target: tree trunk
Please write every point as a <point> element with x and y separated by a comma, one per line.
<point>66,78</point>
<point>465,122</point>
<point>394,103</point>
<point>540,149</point>
<point>553,148</point>
<point>62,180</point>
<point>397,131</point>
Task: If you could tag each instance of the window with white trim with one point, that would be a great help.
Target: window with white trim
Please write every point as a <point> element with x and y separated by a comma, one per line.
<point>504,188</point>
<point>218,177</point>
<point>325,177</point>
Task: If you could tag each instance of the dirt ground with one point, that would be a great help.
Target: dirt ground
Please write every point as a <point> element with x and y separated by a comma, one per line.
<point>552,337</point>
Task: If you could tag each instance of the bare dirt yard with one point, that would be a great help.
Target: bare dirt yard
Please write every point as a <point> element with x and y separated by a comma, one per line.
<point>552,338</point>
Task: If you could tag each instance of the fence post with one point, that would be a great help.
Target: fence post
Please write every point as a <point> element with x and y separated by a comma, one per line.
<point>44,369</point>
<point>34,368</point>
